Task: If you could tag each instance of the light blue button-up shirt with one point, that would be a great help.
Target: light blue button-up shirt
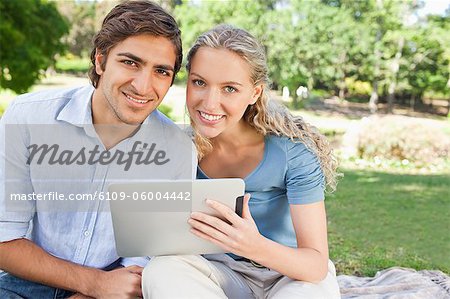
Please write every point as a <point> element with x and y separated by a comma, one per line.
<point>78,231</point>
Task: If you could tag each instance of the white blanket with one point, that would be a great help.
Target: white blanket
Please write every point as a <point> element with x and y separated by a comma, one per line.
<point>396,283</point>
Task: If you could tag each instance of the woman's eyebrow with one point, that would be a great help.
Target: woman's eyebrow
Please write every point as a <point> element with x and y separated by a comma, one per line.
<point>223,83</point>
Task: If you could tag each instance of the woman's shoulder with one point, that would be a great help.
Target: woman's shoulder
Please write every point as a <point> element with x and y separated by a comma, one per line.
<point>292,147</point>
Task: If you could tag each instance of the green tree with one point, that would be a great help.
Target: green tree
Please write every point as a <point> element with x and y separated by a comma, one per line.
<point>428,64</point>
<point>30,36</point>
<point>313,44</point>
<point>194,18</point>
<point>82,17</point>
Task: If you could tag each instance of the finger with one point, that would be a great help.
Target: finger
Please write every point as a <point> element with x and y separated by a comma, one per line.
<point>208,230</point>
<point>245,209</point>
<point>225,211</point>
<point>135,269</point>
<point>139,293</point>
<point>213,221</point>
<point>210,239</point>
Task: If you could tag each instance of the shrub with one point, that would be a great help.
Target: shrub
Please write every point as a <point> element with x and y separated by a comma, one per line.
<point>356,87</point>
<point>406,139</point>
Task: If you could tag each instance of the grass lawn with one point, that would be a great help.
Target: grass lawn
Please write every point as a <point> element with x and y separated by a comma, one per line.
<point>379,220</point>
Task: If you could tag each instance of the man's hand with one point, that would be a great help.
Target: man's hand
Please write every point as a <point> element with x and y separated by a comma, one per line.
<point>119,283</point>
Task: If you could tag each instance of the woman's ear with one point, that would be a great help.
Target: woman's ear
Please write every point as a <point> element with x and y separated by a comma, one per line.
<point>98,62</point>
<point>257,91</point>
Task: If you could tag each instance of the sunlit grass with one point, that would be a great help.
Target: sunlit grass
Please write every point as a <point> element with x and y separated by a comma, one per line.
<point>378,220</point>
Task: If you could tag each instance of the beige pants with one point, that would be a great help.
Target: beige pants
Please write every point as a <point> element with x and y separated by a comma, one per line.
<point>220,276</point>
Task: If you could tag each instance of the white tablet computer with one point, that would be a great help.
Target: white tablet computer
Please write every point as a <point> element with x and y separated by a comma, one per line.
<point>150,218</point>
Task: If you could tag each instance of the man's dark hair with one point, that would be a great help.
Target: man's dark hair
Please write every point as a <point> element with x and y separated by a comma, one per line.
<point>134,18</point>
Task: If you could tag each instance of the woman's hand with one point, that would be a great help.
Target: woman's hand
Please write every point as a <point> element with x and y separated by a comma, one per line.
<point>239,235</point>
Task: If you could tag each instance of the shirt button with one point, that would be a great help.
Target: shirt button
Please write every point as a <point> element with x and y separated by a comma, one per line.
<point>86,233</point>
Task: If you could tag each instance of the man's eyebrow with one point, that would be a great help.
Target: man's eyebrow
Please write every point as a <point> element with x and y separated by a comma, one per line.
<point>140,60</point>
<point>228,82</point>
<point>165,67</point>
<point>131,56</point>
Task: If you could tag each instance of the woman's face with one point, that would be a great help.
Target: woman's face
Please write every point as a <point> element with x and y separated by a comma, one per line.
<point>219,90</point>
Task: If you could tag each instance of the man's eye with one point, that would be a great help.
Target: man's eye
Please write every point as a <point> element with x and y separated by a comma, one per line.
<point>129,62</point>
<point>198,82</point>
<point>230,89</point>
<point>163,72</point>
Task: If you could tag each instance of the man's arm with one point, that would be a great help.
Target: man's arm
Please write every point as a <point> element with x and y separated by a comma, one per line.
<point>26,260</point>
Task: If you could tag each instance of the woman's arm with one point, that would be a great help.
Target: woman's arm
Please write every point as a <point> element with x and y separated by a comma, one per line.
<point>308,262</point>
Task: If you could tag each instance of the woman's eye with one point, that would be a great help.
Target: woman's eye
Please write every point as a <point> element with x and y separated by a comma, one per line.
<point>198,82</point>
<point>230,89</point>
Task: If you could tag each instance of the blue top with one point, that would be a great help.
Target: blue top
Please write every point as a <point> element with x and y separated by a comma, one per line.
<point>78,231</point>
<point>289,173</point>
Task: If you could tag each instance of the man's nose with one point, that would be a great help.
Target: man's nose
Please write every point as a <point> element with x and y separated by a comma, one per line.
<point>143,84</point>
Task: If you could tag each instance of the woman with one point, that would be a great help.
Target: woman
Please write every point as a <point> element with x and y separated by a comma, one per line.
<point>279,247</point>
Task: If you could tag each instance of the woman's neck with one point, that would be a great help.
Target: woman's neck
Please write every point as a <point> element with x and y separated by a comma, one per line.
<point>239,136</point>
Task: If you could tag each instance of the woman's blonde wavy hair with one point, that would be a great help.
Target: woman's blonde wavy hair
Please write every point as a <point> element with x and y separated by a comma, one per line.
<point>266,116</point>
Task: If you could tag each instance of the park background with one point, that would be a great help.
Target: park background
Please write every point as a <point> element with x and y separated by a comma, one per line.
<point>377,75</point>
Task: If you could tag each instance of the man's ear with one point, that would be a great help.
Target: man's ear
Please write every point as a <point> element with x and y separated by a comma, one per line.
<point>257,91</point>
<point>98,62</point>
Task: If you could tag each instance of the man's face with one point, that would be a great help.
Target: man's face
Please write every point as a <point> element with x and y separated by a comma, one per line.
<point>136,77</point>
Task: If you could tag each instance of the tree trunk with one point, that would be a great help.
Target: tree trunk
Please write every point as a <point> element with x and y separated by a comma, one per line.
<point>342,92</point>
<point>374,97</point>
<point>376,72</point>
<point>341,85</point>
<point>395,66</point>
<point>412,102</point>
<point>295,101</point>
<point>310,83</point>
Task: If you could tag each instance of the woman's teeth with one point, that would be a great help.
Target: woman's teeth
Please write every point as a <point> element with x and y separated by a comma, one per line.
<point>136,100</point>
<point>210,117</point>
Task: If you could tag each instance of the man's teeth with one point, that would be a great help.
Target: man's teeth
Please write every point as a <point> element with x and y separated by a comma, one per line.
<point>136,100</point>
<point>210,117</point>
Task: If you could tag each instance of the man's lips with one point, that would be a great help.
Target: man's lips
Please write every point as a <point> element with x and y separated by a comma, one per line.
<point>137,100</point>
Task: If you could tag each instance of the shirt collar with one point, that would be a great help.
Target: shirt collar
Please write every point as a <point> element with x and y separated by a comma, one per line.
<point>78,111</point>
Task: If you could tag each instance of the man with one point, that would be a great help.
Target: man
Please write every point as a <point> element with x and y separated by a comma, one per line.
<point>55,253</point>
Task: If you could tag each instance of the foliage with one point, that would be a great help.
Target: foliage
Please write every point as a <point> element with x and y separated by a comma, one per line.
<point>196,17</point>
<point>166,110</point>
<point>348,47</point>
<point>82,17</point>
<point>72,64</point>
<point>30,32</point>
<point>3,106</point>
<point>357,87</point>
<point>400,138</point>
